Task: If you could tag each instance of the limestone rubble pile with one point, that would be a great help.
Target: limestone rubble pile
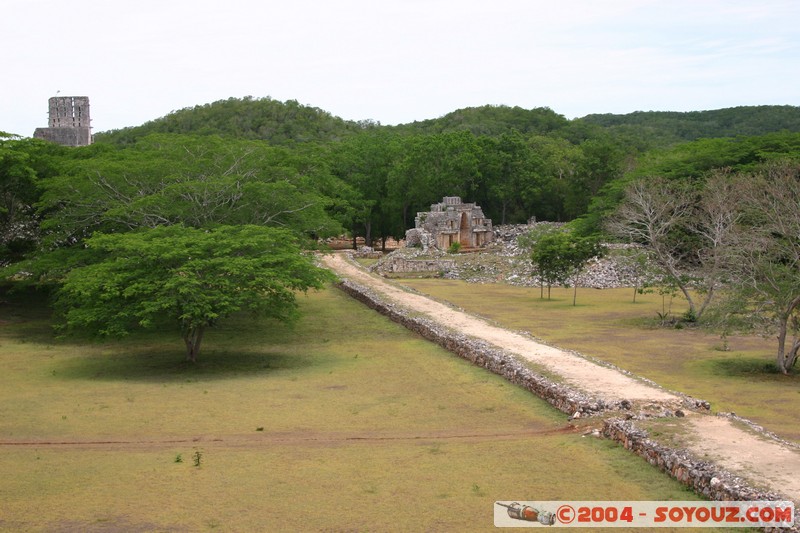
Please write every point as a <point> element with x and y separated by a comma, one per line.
<point>507,261</point>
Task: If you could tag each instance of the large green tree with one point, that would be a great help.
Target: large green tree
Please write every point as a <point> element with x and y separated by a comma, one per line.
<point>23,164</point>
<point>190,278</point>
<point>429,167</point>
<point>602,161</point>
<point>195,181</point>
<point>180,229</point>
<point>510,174</point>
<point>363,162</point>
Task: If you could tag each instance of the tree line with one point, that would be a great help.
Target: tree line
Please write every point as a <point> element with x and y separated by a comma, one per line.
<point>196,191</point>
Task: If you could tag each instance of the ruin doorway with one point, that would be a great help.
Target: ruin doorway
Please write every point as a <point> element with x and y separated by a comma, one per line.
<point>464,237</point>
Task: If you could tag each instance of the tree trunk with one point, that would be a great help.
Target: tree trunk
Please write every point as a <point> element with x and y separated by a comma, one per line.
<point>781,362</point>
<point>368,233</point>
<point>791,359</point>
<point>786,360</point>
<point>193,337</point>
<point>706,301</point>
<point>675,275</point>
<point>692,306</point>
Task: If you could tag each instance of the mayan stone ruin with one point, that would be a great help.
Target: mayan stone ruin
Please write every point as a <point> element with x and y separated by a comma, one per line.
<point>69,123</point>
<point>448,222</point>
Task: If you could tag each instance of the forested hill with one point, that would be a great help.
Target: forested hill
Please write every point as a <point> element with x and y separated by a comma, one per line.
<point>668,127</point>
<point>279,123</point>
<point>491,120</point>
<point>288,123</point>
<point>645,130</point>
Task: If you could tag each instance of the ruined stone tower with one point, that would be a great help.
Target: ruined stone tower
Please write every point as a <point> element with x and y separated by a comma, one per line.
<point>69,122</point>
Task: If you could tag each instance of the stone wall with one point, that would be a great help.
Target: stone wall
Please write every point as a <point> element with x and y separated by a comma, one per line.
<point>399,264</point>
<point>367,252</point>
<point>65,136</point>
<point>703,477</point>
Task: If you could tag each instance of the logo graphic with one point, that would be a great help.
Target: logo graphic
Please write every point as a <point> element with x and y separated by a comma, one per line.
<point>529,514</point>
<point>644,514</point>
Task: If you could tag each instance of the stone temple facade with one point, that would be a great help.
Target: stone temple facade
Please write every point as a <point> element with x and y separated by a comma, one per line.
<point>448,222</point>
<point>69,121</point>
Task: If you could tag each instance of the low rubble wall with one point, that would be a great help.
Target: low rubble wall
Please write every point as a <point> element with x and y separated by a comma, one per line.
<point>403,265</point>
<point>703,477</point>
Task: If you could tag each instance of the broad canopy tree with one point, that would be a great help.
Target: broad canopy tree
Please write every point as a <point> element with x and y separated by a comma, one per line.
<point>190,278</point>
<point>196,181</point>
<point>181,229</point>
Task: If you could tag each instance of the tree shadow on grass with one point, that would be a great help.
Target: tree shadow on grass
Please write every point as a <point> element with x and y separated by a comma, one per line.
<point>741,367</point>
<point>167,366</point>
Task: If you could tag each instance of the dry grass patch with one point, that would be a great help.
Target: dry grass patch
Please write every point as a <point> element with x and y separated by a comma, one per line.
<point>733,374</point>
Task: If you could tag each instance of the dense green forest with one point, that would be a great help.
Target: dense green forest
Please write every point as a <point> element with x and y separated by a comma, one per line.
<point>666,128</point>
<point>290,122</point>
<point>369,180</point>
<point>517,163</point>
<point>203,187</point>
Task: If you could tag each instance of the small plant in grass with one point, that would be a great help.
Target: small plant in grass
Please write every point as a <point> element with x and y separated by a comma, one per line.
<point>454,248</point>
<point>179,458</point>
<point>665,318</point>
<point>197,457</point>
<point>724,347</point>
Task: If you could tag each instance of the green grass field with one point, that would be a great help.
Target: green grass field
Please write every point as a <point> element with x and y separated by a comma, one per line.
<point>344,422</point>
<point>606,324</point>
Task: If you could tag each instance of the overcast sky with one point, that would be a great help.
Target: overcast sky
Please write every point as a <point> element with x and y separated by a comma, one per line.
<point>395,61</point>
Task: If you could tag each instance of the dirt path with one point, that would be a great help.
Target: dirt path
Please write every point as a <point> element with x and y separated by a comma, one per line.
<point>580,373</point>
<point>762,461</point>
<point>304,437</point>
